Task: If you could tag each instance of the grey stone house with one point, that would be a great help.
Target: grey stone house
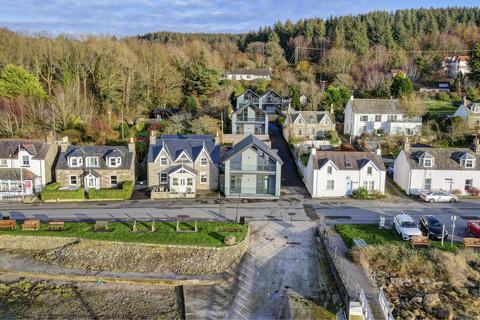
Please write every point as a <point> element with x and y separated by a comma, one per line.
<point>251,170</point>
<point>248,74</point>
<point>312,125</point>
<point>26,165</point>
<point>249,119</point>
<point>95,167</point>
<point>182,165</point>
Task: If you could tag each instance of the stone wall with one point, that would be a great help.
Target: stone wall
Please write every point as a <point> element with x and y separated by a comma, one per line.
<point>63,176</point>
<point>35,243</point>
<point>121,256</point>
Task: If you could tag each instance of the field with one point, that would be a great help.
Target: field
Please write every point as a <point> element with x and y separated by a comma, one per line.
<point>209,234</point>
<point>440,108</point>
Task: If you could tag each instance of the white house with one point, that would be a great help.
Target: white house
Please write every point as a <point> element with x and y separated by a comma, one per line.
<point>338,173</point>
<point>452,66</point>
<point>470,112</point>
<point>248,74</point>
<point>382,116</point>
<point>448,169</point>
<point>26,165</point>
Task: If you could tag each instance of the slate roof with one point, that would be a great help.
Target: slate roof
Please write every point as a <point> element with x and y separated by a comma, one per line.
<point>341,159</point>
<point>99,151</point>
<point>37,148</point>
<point>253,72</point>
<point>246,143</point>
<point>270,92</point>
<point>185,167</point>
<point>14,174</point>
<point>444,158</point>
<point>191,144</point>
<point>376,106</point>
<point>313,117</point>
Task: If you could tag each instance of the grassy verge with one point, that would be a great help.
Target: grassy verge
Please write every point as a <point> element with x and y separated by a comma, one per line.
<point>304,158</point>
<point>372,235</point>
<point>209,234</point>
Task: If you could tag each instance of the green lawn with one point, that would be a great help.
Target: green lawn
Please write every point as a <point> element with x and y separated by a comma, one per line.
<point>373,235</point>
<point>304,158</point>
<point>438,107</point>
<point>209,233</point>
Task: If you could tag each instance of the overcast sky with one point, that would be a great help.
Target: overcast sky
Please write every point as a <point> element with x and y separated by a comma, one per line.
<point>131,17</point>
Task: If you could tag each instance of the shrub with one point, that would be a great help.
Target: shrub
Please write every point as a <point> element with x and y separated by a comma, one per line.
<point>51,192</point>
<point>124,193</point>
<point>457,192</point>
<point>376,194</point>
<point>473,191</point>
<point>360,194</point>
<point>442,96</point>
<point>332,135</point>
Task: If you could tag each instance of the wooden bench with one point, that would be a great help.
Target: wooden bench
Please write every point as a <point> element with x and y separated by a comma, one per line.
<point>56,225</point>
<point>31,225</point>
<point>8,224</point>
<point>101,226</point>
<point>420,241</point>
<point>471,242</point>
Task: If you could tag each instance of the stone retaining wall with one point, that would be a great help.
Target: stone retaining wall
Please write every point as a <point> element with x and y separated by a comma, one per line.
<point>120,256</point>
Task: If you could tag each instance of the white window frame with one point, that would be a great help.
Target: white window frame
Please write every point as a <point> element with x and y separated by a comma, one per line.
<point>427,186</point>
<point>369,171</point>
<point>163,178</point>
<point>203,178</point>
<point>79,161</point>
<point>25,163</point>
<point>76,180</point>
<point>468,186</point>
<point>371,185</point>
<point>330,184</point>
<point>189,181</point>
<point>117,161</point>
<point>425,162</point>
<point>163,161</point>
<point>203,161</point>
<point>89,160</point>
<point>469,163</point>
<point>329,169</point>
<point>364,118</point>
<point>111,181</point>
<point>3,163</point>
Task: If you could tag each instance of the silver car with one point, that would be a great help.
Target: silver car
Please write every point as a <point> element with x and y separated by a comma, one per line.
<point>438,196</point>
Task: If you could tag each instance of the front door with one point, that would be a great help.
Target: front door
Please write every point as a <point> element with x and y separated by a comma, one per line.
<point>182,187</point>
<point>448,185</point>
<point>90,182</point>
<point>349,187</point>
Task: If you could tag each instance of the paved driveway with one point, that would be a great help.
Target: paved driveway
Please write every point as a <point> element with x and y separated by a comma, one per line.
<point>291,182</point>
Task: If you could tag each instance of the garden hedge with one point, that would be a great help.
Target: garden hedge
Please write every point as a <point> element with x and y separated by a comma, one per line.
<point>51,192</point>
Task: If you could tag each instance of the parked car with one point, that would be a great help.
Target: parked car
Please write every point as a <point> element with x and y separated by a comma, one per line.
<point>432,227</point>
<point>438,196</point>
<point>474,227</point>
<point>406,226</point>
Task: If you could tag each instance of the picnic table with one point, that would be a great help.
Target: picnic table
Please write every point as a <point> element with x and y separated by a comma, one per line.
<point>8,224</point>
<point>419,241</point>
<point>56,225</point>
<point>31,225</point>
<point>471,242</point>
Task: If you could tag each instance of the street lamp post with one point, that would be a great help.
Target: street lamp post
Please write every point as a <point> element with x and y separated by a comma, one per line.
<point>453,219</point>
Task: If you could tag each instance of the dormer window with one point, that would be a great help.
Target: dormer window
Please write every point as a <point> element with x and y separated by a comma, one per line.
<point>428,162</point>
<point>75,162</point>
<point>114,161</point>
<point>92,161</point>
<point>3,163</point>
<point>469,163</point>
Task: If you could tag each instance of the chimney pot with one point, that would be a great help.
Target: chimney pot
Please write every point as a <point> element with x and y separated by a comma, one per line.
<point>153,137</point>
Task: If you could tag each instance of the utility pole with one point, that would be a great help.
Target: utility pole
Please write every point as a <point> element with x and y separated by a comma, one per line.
<point>296,55</point>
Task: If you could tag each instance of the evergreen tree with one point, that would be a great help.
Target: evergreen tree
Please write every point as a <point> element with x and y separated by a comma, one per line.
<point>401,86</point>
<point>474,63</point>
<point>16,82</point>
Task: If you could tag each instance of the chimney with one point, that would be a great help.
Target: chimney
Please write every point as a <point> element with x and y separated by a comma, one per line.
<point>313,151</point>
<point>378,151</point>
<point>50,139</point>
<point>406,144</point>
<point>64,144</point>
<point>331,108</point>
<point>464,100</point>
<point>153,137</point>
<point>217,138</point>
<point>351,97</point>
<point>131,145</point>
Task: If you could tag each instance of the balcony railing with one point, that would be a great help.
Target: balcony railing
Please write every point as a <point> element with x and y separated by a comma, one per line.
<point>258,167</point>
<point>406,120</point>
<point>250,119</point>
<point>237,190</point>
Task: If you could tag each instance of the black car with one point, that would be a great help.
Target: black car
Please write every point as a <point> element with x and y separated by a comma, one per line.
<point>432,227</point>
